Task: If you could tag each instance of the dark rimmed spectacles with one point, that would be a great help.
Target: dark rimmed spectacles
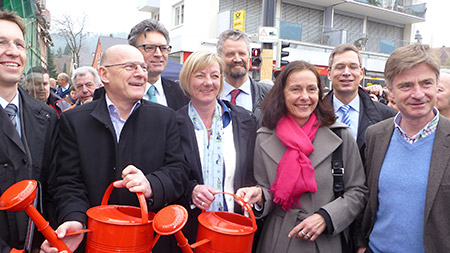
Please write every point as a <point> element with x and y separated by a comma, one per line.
<point>151,48</point>
<point>129,66</point>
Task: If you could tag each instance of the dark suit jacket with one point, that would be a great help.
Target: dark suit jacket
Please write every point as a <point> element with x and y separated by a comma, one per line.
<point>174,95</point>
<point>23,158</point>
<point>62,93</point>
<point>244,135</point>
<point>370,113</point>
<point>437,203</point>
<point>259,92</point>
<point>91,159</point>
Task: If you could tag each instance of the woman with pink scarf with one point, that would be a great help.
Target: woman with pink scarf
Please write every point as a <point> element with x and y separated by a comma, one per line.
<point>293,170</point>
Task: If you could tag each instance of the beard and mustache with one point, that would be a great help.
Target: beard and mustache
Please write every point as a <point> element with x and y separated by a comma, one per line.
<point>238,73</point>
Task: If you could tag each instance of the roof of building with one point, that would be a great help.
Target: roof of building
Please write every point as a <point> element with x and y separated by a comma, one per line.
<point>109,41</point>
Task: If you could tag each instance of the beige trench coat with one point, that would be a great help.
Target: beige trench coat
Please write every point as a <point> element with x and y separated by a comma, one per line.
<point>342,211</point>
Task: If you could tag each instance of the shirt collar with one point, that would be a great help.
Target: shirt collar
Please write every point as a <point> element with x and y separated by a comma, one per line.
<point>14,101</point>
<point>226,115</point>
<point>353,104</point>
<point>429,128</point>
<point>111,107</point>
<point>245,87</point>
<point>158,86</point>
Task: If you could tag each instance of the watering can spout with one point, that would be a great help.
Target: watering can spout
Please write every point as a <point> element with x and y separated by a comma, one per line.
<point>20,196</point>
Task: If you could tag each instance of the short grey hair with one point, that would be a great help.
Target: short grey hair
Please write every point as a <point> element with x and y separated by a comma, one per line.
<point>147,25</point>
<point>232,34</point>
<point>81,71</point>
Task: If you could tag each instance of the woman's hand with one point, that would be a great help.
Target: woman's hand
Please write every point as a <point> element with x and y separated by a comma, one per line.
<point>251,195</point>
<point>310,228</point>
<point>203,196</point>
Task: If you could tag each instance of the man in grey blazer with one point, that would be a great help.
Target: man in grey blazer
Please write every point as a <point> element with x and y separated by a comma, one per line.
<point>408,169</point>
<point>239,88</point>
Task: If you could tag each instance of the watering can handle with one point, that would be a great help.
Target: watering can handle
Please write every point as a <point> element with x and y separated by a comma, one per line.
<point>141,198</point>
<point>244,204</point>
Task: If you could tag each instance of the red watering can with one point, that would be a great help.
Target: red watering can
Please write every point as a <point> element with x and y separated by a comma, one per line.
<point>112,228</point>
<point>218,231</point>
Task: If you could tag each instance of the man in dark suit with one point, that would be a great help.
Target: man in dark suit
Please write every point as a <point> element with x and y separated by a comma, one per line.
<point>117,137</point>
<point>239,88</point>
<point>408,161</point>
<point>152,39</point>
<point>27,131</point>
<point>345,73</point>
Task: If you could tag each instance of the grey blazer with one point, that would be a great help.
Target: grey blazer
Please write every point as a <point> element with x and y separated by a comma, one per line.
<point>437,203</point>
<point>342,211</point>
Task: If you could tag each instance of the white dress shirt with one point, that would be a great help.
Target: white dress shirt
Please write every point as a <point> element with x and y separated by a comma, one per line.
<point>159,92</point>
<point>244,98</point>
<point>353,113</point>
<point>14,101</point>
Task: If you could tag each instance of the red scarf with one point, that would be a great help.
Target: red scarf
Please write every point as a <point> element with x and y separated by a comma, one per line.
<point>295,174</point>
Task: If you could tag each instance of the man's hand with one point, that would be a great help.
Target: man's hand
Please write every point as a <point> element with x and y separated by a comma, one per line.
<point>71,241</point>
<point>135,181</point>
<point>203,196</point>
<point>310,228</point>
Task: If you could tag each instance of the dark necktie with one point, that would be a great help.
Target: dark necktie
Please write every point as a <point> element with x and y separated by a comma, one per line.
<point>234,94</point>
<point>11,110</point>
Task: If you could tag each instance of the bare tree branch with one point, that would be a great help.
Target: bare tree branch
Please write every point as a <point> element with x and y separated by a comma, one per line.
<point>72,30</point>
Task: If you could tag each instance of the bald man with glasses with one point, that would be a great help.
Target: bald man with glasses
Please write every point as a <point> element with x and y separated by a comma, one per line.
<point>118,136</point>
<point>152,39</point>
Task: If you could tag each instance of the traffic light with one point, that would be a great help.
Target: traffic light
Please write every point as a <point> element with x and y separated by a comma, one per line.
<point>256,57</point>
<point>282,53</point>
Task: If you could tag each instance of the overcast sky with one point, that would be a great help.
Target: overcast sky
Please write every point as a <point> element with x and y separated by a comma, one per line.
<point>113,16</point>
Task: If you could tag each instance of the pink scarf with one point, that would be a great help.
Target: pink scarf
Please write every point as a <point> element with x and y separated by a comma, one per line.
<point>295,174</point>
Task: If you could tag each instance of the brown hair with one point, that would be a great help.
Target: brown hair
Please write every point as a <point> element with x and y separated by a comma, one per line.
<point>196,62</point>
<point>13,17</point>
<point>274,105</point>
<point>406,57</point>
<point>339,49</point>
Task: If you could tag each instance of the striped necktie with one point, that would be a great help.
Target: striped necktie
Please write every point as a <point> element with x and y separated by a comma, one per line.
<point>346,118</point>
<point>152,94</point>
<point>11,110</point>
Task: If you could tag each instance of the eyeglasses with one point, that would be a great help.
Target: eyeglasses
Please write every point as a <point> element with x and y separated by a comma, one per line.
<point>351,66</point>
<point>151,48</point>
<point>201,76</point>
<point>20,45</point>
<point>129,66</point>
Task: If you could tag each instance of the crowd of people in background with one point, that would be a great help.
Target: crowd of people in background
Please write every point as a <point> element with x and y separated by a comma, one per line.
<point>352,169</point>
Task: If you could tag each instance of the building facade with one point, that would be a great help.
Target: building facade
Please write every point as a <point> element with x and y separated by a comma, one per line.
<point>313,27</point>
<point>37,25</point>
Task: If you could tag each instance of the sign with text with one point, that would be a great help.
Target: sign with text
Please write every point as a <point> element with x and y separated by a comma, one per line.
<point>239,20</point>
<point>268,34</point>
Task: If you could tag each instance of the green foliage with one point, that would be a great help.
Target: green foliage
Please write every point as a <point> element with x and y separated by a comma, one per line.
<point>51,67</point>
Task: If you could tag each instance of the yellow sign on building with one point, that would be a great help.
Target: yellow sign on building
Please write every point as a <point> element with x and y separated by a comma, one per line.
<point>239,20</point>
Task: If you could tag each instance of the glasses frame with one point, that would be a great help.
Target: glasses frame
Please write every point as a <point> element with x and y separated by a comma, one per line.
<point>165,51</point>
<point>125,63</point>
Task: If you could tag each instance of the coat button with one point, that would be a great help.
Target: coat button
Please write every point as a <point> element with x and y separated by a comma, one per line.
<point>5,165</point>
<point>24,160</point>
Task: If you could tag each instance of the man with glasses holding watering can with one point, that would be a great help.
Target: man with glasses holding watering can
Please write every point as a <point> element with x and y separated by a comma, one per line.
<point>121,137</point>
<point>27,131</point>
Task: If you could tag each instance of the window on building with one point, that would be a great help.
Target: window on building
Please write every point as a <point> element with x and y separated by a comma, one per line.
<point>179,14</point>
<point>290,31</point>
